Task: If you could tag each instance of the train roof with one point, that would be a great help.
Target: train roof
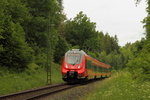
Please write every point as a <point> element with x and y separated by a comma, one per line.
<point>94,61</point>
<point>76,51</point>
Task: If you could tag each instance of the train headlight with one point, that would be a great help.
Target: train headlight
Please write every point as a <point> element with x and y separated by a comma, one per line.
<point>79,66</point>
<point>66,66</point>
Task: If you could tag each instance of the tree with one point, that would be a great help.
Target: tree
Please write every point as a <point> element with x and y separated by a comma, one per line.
<point>139,66</point>
<point>27,28</point>
<point>42,30</point>
<point>61,48</point>
<point>78,30</point>
<point>16,53</point>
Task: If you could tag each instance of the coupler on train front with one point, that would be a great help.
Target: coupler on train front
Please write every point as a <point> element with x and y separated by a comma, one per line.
<point>72,77</point>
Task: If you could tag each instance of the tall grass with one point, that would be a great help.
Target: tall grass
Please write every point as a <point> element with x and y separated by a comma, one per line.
<point>14,82</point>
<point>120,87</point>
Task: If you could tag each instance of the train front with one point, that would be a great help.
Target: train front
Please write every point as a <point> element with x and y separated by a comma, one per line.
<point>73,65</point>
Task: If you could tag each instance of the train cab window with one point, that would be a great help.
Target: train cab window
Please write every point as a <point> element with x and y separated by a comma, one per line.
<point>73,58</point>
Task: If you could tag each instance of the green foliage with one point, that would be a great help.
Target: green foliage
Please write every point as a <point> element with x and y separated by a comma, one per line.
<point>109,44</point>
<point>119,87</point>
<point>116,60</point>
<point>16,53</point>
<point>33,77</point>
<point>78,30</point>
<point>139,66</point>
<point>45,14</point>
<point>27,29</point>
<point>146,21</point>
<point>140,62</point>
<point>43,27</point>
<point>33,67</point>
<point>136,58</point>
<point>61,48</point>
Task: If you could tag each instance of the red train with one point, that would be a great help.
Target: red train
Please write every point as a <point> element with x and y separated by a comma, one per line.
<point>78,65</point>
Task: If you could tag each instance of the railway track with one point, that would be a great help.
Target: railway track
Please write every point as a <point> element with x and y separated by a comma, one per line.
<point>37,93</point>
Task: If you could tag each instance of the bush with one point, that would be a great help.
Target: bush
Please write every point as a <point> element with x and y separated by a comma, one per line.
<point>139,67</point>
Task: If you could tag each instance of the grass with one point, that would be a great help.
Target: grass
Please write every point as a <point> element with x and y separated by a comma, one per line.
<point>13,82</point>
<point>120,87</point>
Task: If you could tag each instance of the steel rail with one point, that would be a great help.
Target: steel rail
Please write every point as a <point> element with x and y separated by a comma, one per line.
<point>46,96</point>
<point>29,94</point>
<point>43,95</point>
<point>39,93</point>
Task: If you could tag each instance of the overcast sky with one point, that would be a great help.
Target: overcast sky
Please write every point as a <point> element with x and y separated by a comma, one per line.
<point>120,17</point>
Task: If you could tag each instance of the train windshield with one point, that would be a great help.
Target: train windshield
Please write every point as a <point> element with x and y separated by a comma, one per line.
<point>74,58</point>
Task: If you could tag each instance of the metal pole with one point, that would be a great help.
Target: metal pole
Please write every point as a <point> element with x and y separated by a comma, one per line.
<point>49,52</point>
<point>50,58</point>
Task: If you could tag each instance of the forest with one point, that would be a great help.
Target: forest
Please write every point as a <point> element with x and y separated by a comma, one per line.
<point>32,31</point>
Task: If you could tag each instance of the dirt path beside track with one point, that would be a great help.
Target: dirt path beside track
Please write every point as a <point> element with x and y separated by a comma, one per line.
<point>75,93</point>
